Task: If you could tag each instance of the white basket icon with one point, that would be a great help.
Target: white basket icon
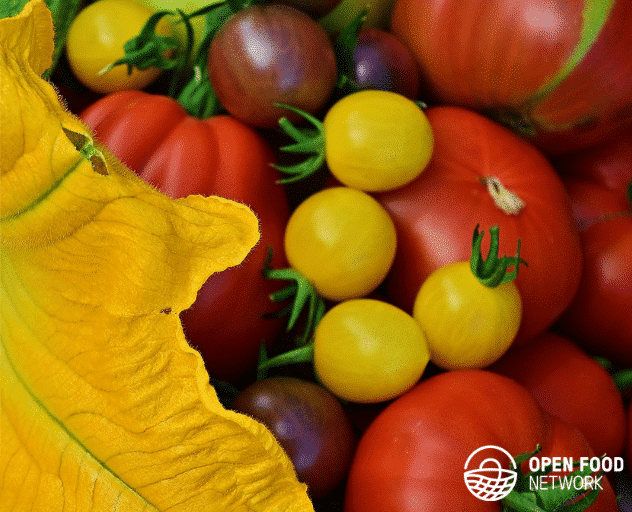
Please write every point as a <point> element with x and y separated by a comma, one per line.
<point>490,483</point>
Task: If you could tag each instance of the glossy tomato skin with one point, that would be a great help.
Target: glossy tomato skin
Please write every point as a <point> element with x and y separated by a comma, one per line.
<point>383,62</point>
<point>342,241</point>
<point>309,423</point>
<point>182,155</point>
<point>528,61</point>
<point>96,38</point>
<point>369,351</point>
<point>412,456</point>
<point>436,214</point>
<point>608,164</point>
<point>267,54</point>
<point>377,140</point>
<point>566,382</point>
<point>467,324</point>
<point>599,317</point>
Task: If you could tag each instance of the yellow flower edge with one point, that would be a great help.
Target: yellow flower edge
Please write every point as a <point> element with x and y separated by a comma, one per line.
<point>104,404</point>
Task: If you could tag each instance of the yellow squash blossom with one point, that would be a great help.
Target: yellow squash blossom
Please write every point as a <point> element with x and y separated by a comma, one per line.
<point>104,406</point>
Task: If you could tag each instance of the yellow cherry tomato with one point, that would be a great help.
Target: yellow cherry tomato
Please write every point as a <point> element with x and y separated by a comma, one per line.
<point>467,324</point>
<point>342,240</point>
<point>377,140</point>
<point>367,351</point>
<point>96,38</point>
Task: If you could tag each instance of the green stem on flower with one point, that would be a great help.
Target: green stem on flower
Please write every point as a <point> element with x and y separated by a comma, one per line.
<point>493,271</point>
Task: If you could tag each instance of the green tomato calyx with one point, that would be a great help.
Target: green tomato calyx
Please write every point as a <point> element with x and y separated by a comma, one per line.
<point>149,49</point>
<point>550,498</point>
<point>494,270</point>
<point>305,141</point>
<point>303,293</point>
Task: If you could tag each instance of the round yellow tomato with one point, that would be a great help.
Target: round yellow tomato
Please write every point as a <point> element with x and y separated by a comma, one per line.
<point>367,351</point>
<point>96,38</point>
<point>467,324</point>
<point>341,240</point>
<point>377,140</point>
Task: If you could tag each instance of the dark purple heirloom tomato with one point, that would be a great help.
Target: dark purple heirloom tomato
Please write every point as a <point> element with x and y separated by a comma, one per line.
<point>383,62</point>
<point>267,54</point>
<point>309,423</point>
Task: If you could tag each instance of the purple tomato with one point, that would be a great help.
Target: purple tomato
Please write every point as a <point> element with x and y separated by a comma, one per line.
<point>383,62</point>
<point>267,54</point>
<point>309,423</point>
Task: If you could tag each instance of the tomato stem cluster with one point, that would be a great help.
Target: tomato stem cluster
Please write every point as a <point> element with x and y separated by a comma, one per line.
<point>149,49</point>
<point>493,271</point>
<point>303,292</point>
<point>563,499</point>
<point>304,143</point>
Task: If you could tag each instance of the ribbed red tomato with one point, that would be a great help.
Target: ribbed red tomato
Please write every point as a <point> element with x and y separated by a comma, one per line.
<point>182,155</point>
<point>598,181</point>
<point>412,456</point>
<point>482,173</point>
<point>557,71</point>
<point>568,383</point>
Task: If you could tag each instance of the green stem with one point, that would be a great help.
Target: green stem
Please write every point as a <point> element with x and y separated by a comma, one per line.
<point>493,271</point>
<point>304,293</point>
<point>623,380</point>
<point>305,141</point>
<point>519,503</point>
<point>303,354</point>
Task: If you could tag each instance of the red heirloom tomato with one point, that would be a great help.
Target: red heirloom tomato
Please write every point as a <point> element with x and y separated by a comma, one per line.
<point>182,155</point>
<point>600,316</point>
<point>568,383</point>
<point>481,173</point>
<point>597,179</point>
<point>558,72</point>
<point>412,456</point>
<point>608,164</point>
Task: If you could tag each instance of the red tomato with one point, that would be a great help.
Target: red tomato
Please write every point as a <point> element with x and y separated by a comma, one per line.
<point>568,383</point>
<point>412,457</point>
<point>608,164</point>
<point>599,317</point>
<point>559,72</point>
<point>435,215</point>
<point>182,155</point>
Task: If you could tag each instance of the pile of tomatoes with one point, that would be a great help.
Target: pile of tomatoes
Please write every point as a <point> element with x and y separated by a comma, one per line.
<point>446,223</point>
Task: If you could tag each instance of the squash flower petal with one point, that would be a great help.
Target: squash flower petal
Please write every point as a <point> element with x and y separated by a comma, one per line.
<point>104,405</point>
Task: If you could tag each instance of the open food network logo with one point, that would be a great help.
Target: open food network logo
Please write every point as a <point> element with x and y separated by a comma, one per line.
<point>490,481</point>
